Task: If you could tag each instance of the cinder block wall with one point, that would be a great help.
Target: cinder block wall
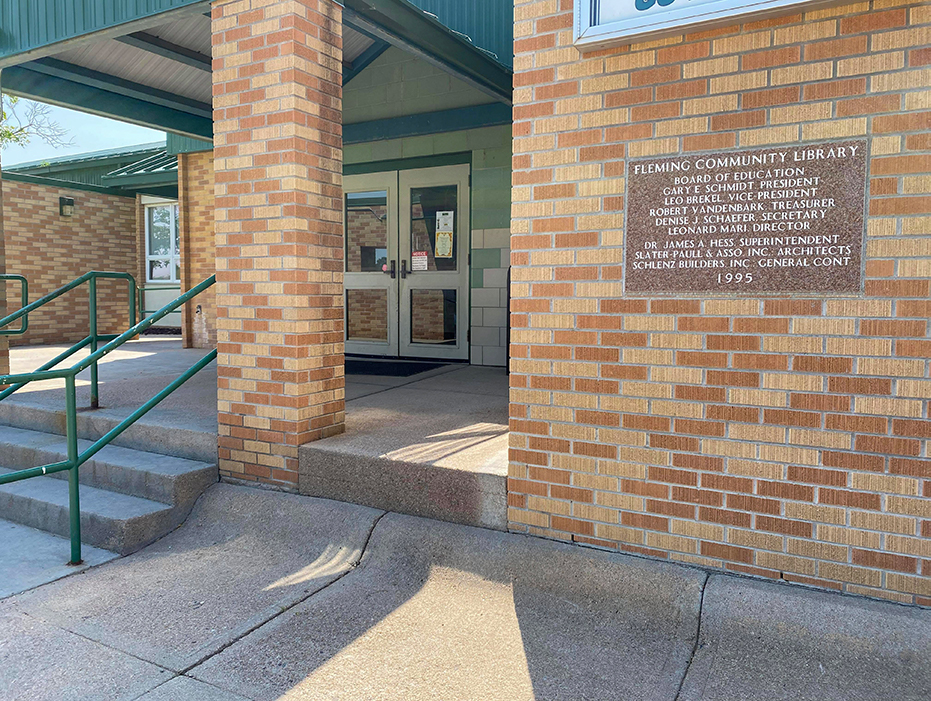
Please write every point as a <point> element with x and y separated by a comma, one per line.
<point>198,246</point>
<point>784,438</point>
<point>51,250</point>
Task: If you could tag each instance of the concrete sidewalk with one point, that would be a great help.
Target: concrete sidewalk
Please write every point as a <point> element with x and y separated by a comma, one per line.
<point>263,595</point>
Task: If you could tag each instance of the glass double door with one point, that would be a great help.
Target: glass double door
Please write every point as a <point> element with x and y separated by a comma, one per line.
<point>406,263</point>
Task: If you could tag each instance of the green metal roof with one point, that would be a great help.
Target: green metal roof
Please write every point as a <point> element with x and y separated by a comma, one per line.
<point>85,168</point>
<point>488,24</point>
<point>158,169</point>
<point>29,26</point>
<point>146,168</point>
<point>60,162</point>
<point>182,144</point>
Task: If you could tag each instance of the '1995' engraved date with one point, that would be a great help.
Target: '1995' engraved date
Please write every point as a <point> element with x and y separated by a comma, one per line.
<point>734,277</point>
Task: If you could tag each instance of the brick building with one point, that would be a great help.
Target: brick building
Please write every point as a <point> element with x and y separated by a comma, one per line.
<point>779,429</point>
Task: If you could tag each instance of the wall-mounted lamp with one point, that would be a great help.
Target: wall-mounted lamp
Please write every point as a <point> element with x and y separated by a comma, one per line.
<point>66,206</point>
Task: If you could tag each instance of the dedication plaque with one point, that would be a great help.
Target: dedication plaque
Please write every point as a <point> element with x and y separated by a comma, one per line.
<point>786,219</point>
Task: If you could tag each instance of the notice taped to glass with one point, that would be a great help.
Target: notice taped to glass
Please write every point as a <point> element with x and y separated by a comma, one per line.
<point>786,219</point>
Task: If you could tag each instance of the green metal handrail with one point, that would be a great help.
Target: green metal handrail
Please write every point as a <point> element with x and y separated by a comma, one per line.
<point>92,339</point>
<point>76,459</point>
<point>24,300</point>
<point>154,288</point>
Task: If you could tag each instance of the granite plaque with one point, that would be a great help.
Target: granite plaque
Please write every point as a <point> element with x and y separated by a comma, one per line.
<point>787,219</point>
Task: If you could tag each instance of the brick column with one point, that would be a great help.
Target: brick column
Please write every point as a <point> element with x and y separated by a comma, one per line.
<point>278,172</point>
<point>4,342</point>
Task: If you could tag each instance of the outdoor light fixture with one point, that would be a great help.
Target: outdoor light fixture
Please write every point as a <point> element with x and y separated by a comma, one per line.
<point>66,206</point>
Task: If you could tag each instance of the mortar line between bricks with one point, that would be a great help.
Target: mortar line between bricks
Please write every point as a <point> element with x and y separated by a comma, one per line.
<point>290,606</point>
<point>701,615</point>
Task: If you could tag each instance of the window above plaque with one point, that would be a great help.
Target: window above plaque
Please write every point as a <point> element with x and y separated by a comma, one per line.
<point>604,23</point>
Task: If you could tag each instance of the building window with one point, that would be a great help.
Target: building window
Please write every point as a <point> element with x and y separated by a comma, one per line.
<point>600,23</point>
<point>163,243</point>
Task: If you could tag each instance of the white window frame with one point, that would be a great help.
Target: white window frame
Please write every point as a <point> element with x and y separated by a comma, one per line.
<point>677,17</point>
<point>174,258</point>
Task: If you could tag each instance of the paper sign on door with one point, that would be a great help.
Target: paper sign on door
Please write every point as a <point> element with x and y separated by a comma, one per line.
<point>444,244</point>
<point>444,221</point>
<point>419,260</point>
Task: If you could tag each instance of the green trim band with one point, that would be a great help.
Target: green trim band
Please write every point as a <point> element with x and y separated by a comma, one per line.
<point>491,115</point>
<point>443,159</point>
<point>65,184</point>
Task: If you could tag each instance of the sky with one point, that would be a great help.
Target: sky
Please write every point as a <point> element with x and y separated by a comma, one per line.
<point>89,133</point>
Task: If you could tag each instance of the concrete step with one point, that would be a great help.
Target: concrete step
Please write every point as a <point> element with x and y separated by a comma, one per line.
<point>109,520</point>
<point>430,448</point>
<point>174,481</point>
<point>177,441</point>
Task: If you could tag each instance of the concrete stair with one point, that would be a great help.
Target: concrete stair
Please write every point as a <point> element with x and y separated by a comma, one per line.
<point>129,497</point>
<point>175,440</point>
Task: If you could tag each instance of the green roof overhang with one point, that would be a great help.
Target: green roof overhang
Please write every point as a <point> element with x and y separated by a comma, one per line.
<point>406,26</point>
<point>32,29</point>
<point>116,102</point>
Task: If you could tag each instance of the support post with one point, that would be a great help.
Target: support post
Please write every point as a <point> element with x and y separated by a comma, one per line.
<point>278,186</point>
<point>92,332</point>
<point>74,500</point>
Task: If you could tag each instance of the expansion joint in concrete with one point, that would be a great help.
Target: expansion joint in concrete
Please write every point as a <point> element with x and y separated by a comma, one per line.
<point>288,607</point>
<point>695,644</point>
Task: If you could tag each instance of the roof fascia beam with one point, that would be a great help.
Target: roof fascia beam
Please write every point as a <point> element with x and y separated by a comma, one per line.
<point>85,76</point>
<point>54,90</point>
<point>364,60</point>
<point>154,45</point>
<point>494,114</point>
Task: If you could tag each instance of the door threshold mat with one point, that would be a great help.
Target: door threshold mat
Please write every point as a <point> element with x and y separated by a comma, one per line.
<point>389,368</point>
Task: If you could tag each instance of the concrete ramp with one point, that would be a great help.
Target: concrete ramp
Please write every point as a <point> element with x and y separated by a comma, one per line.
<point>764,641</point>
<point>441,611</point>
<point>262,595</point>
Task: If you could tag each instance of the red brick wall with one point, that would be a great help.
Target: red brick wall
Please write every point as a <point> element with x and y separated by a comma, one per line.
<point>51,250</point>
<point>785,438</point>
<point>198,246</point>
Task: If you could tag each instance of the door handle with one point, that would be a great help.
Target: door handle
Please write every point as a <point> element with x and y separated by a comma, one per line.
<point>391,271</point>
<point>403,269</point>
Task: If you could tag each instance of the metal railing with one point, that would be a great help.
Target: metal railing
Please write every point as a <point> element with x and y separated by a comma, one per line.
<point>76,459</point>
<point>143,312</point>
<point>24,300</point>
<point>92,339</point>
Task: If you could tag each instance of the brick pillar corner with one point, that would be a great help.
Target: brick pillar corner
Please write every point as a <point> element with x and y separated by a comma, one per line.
<point>278,208</point>
<point>184,226</point>
<point>4,340</point>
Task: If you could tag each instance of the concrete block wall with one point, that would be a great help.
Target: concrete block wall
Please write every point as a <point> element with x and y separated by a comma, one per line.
<point>52,250</point>
<point>784,438</point>
<point>398,84</point>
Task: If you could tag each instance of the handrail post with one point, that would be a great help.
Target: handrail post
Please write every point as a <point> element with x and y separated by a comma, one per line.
<point>74,501</point>
<point>92,311</point>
